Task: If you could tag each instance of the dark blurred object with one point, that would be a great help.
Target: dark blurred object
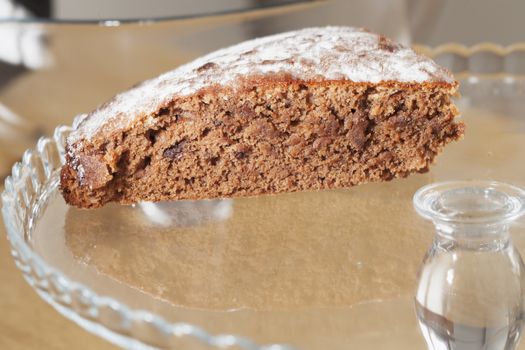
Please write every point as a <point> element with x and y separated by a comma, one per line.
<point>38,8</point>
<point>18,9</point>
<point>22,48</point>
<point>8,72</point>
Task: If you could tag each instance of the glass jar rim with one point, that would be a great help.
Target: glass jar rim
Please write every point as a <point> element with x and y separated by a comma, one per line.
<point>470,202</point>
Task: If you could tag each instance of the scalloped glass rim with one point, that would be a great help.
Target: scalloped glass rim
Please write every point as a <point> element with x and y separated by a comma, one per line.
<point>484,60</point>
<point>25,190</point>
<point>112,22</point>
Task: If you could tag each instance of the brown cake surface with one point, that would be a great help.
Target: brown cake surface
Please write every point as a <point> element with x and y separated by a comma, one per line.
<point>306,110</point>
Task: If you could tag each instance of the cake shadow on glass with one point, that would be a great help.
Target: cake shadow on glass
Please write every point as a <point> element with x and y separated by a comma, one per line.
<point>288,251</point>
<point>301,268</point>
<point>471,285</point>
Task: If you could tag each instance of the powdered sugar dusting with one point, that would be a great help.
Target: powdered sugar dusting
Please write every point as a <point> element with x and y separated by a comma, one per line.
<point>312,54</point>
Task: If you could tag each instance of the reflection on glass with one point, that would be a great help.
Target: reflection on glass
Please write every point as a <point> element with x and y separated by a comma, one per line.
<point>187,213</point>
<point>470,290</point>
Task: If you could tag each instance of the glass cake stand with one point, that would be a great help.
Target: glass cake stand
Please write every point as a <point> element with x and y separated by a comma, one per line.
<point>314,270</point>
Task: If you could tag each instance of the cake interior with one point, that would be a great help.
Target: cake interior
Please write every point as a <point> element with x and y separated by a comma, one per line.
<point>267,138</point>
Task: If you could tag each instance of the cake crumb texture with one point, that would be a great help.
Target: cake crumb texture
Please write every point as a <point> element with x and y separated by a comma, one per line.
<point>308,110</point>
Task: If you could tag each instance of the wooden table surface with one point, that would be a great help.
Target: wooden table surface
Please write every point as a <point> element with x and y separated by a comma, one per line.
<point>26,321</point>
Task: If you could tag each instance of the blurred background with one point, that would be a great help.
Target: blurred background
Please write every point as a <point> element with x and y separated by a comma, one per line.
<point>59,58</point>
<point>63,57</point>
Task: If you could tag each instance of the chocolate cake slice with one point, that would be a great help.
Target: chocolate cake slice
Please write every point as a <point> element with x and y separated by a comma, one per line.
<point>311,109</point>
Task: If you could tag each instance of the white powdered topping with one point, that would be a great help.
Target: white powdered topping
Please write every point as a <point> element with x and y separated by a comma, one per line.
<point>312,54</point>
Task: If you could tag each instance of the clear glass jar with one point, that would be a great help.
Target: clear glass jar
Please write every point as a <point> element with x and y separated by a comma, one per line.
<point>471,284</point>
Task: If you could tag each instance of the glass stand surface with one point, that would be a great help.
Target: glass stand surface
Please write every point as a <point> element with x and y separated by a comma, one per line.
<point>316,270</point>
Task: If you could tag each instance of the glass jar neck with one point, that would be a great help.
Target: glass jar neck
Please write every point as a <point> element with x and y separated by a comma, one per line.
<point>471,236</point>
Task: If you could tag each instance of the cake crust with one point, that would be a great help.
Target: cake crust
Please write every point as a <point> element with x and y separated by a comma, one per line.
<point>319,54</point>
<point>307,110</point>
